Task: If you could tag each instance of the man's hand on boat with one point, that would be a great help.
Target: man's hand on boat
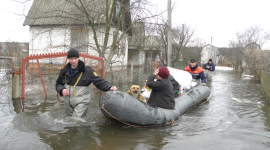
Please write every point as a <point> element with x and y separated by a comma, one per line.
<point>113,88</point>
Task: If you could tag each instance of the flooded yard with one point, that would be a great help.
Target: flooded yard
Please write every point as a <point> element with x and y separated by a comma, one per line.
<point>237,116</point>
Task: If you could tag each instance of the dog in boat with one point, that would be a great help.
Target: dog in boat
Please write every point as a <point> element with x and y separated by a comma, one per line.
<point>135,91</point>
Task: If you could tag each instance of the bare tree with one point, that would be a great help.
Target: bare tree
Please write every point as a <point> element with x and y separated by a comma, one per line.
<point>109,21</point>
<point>182,37</point>
<point>248,46</point>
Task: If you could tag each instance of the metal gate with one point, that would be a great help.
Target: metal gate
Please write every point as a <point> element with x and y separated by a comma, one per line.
<point>39,72</point>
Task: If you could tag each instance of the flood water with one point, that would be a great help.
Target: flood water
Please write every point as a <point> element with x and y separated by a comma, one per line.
<point>237,117</point>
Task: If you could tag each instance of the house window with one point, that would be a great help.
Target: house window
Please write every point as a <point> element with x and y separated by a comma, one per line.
<point>79,39</point>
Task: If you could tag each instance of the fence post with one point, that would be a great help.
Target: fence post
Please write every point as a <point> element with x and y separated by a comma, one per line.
<point>131,71</point>
<point>41,77</point>
<point>102,75</point>
<point>16,83</point>
<point>23,76</point>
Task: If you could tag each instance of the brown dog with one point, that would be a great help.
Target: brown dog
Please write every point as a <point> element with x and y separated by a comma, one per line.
<point>135,91</point>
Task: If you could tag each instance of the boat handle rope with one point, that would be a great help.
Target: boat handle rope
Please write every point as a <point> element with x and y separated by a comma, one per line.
<point>195,102</point>
<point>198,91</point>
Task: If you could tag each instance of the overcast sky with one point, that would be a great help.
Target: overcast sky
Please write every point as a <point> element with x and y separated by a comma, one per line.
<point>219,19</point>
<point>11,28</point>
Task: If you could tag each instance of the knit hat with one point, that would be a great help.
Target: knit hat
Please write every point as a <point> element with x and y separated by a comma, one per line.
<point>163,72</point>
<point>210,60</point>
<point>73,53</point>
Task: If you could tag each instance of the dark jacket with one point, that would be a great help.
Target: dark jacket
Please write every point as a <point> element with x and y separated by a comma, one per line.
<point>162,93</point>
<point>87,78</point>
<point>175,85</point>
<point>211,66</point>
<point>196,72</point>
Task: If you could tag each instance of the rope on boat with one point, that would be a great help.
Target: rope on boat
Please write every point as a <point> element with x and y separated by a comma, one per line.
<point>195,102</point>
<point>138,126</point>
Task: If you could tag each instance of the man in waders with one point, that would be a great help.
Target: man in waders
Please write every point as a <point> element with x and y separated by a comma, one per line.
<point>209,65</point>
<point>73,83</point>
<point>196,72</point>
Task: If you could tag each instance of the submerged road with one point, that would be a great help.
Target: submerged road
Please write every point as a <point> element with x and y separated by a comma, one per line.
<point>237,117</point>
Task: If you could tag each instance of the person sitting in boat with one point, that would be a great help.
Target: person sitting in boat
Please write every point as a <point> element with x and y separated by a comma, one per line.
<point>175,85</point>
<point>162,89</point>
<point>209,65</point>
<point>196,71</point>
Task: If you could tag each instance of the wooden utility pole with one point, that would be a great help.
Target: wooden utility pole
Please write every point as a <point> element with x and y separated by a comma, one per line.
<point>169,57</point>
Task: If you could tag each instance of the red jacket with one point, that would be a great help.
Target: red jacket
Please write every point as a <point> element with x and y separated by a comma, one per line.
<point>197,73</point>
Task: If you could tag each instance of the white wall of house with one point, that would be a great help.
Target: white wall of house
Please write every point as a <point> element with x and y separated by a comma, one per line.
<point>138,58</point>
<point>48,40</point>
<point>209,52</point>
<point>142,58</point>
<point>51,39</point>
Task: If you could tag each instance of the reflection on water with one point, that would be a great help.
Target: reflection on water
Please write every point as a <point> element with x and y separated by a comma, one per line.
<point>237,116</point>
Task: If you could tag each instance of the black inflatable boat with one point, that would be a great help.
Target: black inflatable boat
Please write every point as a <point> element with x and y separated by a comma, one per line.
<point>131,111</point>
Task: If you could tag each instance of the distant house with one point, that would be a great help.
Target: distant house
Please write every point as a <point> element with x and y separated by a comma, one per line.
<point>58,25</point>
<point>209,52</point>
<point>144,49</point>
<point>14,51</point>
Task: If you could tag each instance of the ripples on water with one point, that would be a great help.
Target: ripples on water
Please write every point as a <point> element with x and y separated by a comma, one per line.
<point>236,117</point>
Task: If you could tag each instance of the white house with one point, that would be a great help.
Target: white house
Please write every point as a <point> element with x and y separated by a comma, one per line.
<point>209,52</point>
<point>58,25</point>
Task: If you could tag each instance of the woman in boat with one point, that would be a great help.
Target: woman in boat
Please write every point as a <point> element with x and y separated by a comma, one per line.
<point>162,90</point>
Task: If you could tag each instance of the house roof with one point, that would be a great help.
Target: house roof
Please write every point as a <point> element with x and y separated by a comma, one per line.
<point>209,45</point>
<point>66,12</point>
<point>63,12</point>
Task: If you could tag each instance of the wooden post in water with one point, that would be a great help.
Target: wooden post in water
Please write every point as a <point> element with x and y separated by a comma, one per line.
<point>16,83</point>
<point>131,70</point>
